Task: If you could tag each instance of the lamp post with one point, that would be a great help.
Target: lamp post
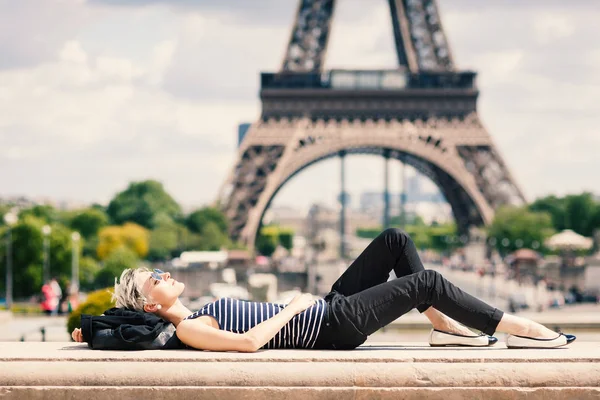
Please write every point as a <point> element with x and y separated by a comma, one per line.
<point>46,230</point>
<point>75,262</point>
<point>10,218</point>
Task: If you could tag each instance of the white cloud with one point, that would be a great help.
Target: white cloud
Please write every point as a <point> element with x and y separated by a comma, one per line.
<point>549,27</point>
<point>111,110</point>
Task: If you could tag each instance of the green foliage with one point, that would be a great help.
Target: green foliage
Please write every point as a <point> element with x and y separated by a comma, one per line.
<point>46,213</point>
<point>441,237</point>
<point>4,209</point>
<point>129,235</point>
<point>89,221</point>
<point>88,269</point>
<point>514,223</point>
<point>27,255</point>
<point>272,236</point>
<point>267,240</point>
<point>419,235</point>
<point>118,260</point>
<point>96,303</point>
<point>368,233</point>
<point>212,237</point>
<point>198,219</point>
<point>142,203</point>
<point>580,212</point>
<point>60,251</point>
<point>188,240</point>
<point>164,240</point>
<point>555,207</point>
<point>286,238</point>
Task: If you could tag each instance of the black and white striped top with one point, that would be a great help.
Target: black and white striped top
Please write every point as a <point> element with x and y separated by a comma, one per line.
<point>239,316</point>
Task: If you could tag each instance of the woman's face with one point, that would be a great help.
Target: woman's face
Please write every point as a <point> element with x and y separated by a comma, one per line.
<point>160,288</point>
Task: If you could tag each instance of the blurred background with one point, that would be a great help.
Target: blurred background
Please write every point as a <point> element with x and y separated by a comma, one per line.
<point>120,122</point>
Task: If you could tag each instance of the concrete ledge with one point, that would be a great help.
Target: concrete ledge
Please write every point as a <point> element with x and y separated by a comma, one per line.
<point>381,370</point>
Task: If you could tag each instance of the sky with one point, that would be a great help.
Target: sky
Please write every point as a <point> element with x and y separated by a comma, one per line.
<point>95,94</point>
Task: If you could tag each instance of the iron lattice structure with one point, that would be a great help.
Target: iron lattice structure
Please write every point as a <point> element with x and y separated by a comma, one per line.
<point>423,113</point>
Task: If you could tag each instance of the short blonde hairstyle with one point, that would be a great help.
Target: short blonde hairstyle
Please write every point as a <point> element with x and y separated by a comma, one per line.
<point>127,294</point>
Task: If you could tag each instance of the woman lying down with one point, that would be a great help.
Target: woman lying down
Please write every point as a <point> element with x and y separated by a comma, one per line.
<point>361,302</point>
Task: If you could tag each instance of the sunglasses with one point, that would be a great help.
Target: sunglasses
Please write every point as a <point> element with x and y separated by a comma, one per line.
<point>157,274</point>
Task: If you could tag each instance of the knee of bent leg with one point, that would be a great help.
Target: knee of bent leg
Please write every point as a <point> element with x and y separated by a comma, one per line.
<point>396,232</point>
<point>430,277</point>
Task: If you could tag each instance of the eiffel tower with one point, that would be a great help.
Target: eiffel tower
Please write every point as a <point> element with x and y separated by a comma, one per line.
<point>422,113</point>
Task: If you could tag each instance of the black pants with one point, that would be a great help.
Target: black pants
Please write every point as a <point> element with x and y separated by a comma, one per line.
<point>362,300</point>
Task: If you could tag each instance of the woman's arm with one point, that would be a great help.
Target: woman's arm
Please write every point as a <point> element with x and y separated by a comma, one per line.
<point>204,337</point>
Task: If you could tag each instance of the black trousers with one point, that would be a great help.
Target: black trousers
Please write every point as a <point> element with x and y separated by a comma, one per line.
<point>362,300</point>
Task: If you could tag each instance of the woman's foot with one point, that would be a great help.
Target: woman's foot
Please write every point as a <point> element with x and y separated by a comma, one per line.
<point>451,326</point>
<point>443,323</point>
<point>522,342</point>
<point>514,325</point>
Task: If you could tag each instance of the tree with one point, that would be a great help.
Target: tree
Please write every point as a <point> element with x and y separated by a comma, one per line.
<point>441,237</point>
<point>267,240</point>
<point>88,269</point>
<point>286,238</point>
<point>46,213</point>
<point>579,211</point>
<point>164,240</point>
<point>142,203</point>
<point>212,237</point>
<point>89,221</point>
<point>27,255</point>
<point>517,223</point>
<point>554,206</point>
<point>4,209</point>
<point>119,259</point>
<point>196,221</point>
<point>129,235</point>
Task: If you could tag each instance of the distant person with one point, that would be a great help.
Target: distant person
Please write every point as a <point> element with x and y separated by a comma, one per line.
<point>73,297</point>
<point>361,302</point>
<point>58,294</point>
<point>49,301</point>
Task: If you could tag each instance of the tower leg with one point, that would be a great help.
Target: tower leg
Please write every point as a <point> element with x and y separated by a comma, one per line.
<point>403,196</point>
<point>343,205</point>
<point>386,190</point>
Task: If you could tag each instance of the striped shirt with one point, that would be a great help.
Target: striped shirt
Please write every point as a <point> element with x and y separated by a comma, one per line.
<point>239,316</point>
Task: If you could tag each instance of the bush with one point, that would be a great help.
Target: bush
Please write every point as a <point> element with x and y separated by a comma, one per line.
<point>96,303</point>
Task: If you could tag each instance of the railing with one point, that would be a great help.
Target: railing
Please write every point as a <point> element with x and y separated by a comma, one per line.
<point>396,79</point>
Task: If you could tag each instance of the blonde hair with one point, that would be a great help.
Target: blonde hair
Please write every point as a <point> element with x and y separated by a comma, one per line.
<point>127,294</point>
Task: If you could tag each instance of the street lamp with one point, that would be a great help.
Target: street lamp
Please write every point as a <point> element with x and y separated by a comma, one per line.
<point>46,230</point>
<point>75,262</point>
<point>10,219</point>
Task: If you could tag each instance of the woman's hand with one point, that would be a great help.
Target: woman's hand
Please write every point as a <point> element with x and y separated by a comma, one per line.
<point>77,335</point>
<point>301,302</point>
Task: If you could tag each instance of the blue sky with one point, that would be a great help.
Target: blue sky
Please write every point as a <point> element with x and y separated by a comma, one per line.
<point>97,93</point>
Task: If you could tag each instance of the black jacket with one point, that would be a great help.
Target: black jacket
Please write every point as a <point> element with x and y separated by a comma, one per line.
<point>124,329</point>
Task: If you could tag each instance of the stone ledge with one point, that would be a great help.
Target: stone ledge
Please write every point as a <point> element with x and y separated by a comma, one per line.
<point>381,370</point>
<point>304,393</point>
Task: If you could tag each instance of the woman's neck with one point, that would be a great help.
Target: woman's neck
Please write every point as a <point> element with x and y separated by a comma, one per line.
<point>174,313</point>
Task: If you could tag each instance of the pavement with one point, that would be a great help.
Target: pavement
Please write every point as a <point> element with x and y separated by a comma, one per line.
<point>376,370</point>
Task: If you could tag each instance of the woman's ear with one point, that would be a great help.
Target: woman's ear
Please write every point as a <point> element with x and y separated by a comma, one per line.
<point>152,308</point>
